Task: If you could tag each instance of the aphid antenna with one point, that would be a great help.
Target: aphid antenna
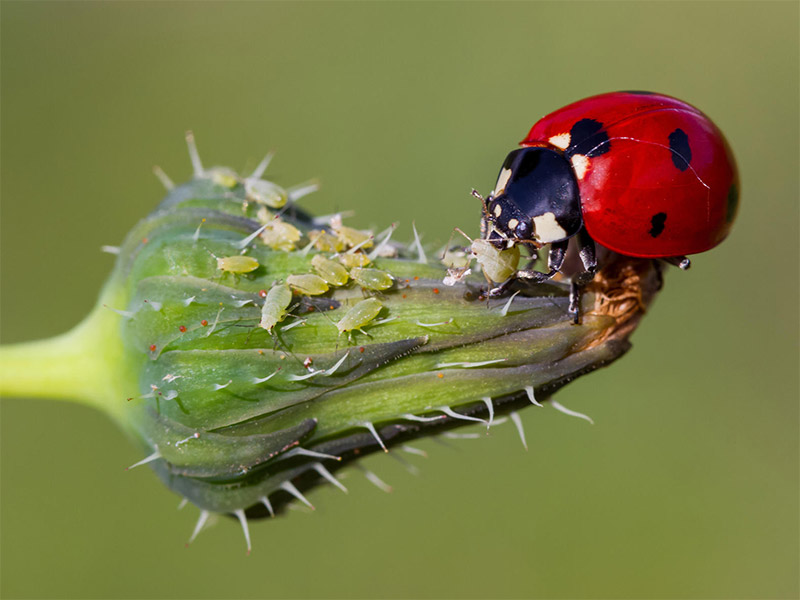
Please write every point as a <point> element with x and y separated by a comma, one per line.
<point>262,166</point>
<point>163,178</point>
<point>194,156</point>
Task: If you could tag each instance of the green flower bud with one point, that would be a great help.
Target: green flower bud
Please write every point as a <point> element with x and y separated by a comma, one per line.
<point>244,395</point>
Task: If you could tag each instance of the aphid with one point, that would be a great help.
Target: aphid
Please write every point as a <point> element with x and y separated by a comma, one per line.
<point>372,279</point>
<point>237,264</point>
<point>498,264</point>
<point>265,193</point>
<point>308,284</point>
<point>274,310</point>
<point>359,315</point>
<point>278,234</point>
<point>223,176</point>
<point>325,242</point>
<point>354,259</point>
<point>330,270</point>
<point>350,237</point>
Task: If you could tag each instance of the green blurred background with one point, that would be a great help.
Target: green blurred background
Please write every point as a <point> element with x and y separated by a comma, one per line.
<point>686,487</point>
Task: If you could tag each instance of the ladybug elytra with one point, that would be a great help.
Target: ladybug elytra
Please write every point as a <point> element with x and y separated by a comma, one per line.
<point>642,174</point>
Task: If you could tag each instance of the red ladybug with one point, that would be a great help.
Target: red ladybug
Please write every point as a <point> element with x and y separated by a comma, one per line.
<point>642,174</point>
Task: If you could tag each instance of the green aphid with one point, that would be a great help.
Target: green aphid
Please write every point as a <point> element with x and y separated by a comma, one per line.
<point>359,315</point>
<point>237,264</point>
<point>310,285</point>
<point>354,259</point>
<point>265,192</point>
<point>330,270</point>
<point>498,265</point>
<point>372,279</point>
<point>275,305</point>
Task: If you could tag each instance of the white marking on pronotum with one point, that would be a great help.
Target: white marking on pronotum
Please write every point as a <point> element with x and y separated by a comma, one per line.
<point>110,249</point>
<point>243,520</point>
<point>405,464</point>
<point>421,324</point>
<point>374,479</point>
<point>267,378</point>
<point>197,165</point>
<point>411,417</point>
<point>123,313</point>
<point>182,504</point>
<point>304,189</point>
<point>201,520</point>
<point>329,476</point>
<point>222,386</point>
<point>189,300</point>
<point>470,365</point>
<point>243,243</point>
<point>531,397</point>
<point>306,452</point>
<point>163,178</point>
<point>265,501</point>
<point>418,245</point>
<point>374,433</point>
<point>502,182</point>
<point>580,164</point>
<point>288,486</point>
<point>572,413</point>
<point>262,166</point>
<point>561,140</point>
<point>518,423</point>
<point>451,413</point>
<point>194,436</point>
<point>154,456</point>
<point>382,244</point>
<point>412,450</point>
<point>490,407</point>
<point>505,308</point>
<point>548,229</point>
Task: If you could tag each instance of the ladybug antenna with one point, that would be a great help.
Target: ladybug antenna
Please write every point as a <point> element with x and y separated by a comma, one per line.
<point>483,200</point>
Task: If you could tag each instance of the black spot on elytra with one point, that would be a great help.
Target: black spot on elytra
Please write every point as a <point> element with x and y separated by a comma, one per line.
<point>681,152</point>
<point>733,202</point>
<point>657,222</point>
<point>589,137</point>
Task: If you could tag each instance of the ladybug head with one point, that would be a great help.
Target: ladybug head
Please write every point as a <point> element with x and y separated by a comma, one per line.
<point>536,200</point>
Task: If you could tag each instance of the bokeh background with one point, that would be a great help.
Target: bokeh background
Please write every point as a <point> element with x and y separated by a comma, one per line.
<point>686,487</point>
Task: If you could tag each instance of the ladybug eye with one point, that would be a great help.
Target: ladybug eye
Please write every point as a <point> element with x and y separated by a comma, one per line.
<point>523,230</point>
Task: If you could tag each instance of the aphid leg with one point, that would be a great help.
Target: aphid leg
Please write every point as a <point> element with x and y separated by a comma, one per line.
<point>586,250</point>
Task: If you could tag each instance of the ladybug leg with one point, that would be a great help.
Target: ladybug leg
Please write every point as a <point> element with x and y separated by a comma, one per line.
<point>681,262</point>
<point>555,259</point>
<point>586,250</point>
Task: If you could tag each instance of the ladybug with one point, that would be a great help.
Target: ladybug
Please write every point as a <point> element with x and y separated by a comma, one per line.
<point>639,173</point>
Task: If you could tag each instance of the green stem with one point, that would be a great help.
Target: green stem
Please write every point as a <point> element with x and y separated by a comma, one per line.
<point>80,366</point>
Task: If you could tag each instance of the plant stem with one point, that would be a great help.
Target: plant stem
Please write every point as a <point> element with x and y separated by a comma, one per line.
<point>80,366</point>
